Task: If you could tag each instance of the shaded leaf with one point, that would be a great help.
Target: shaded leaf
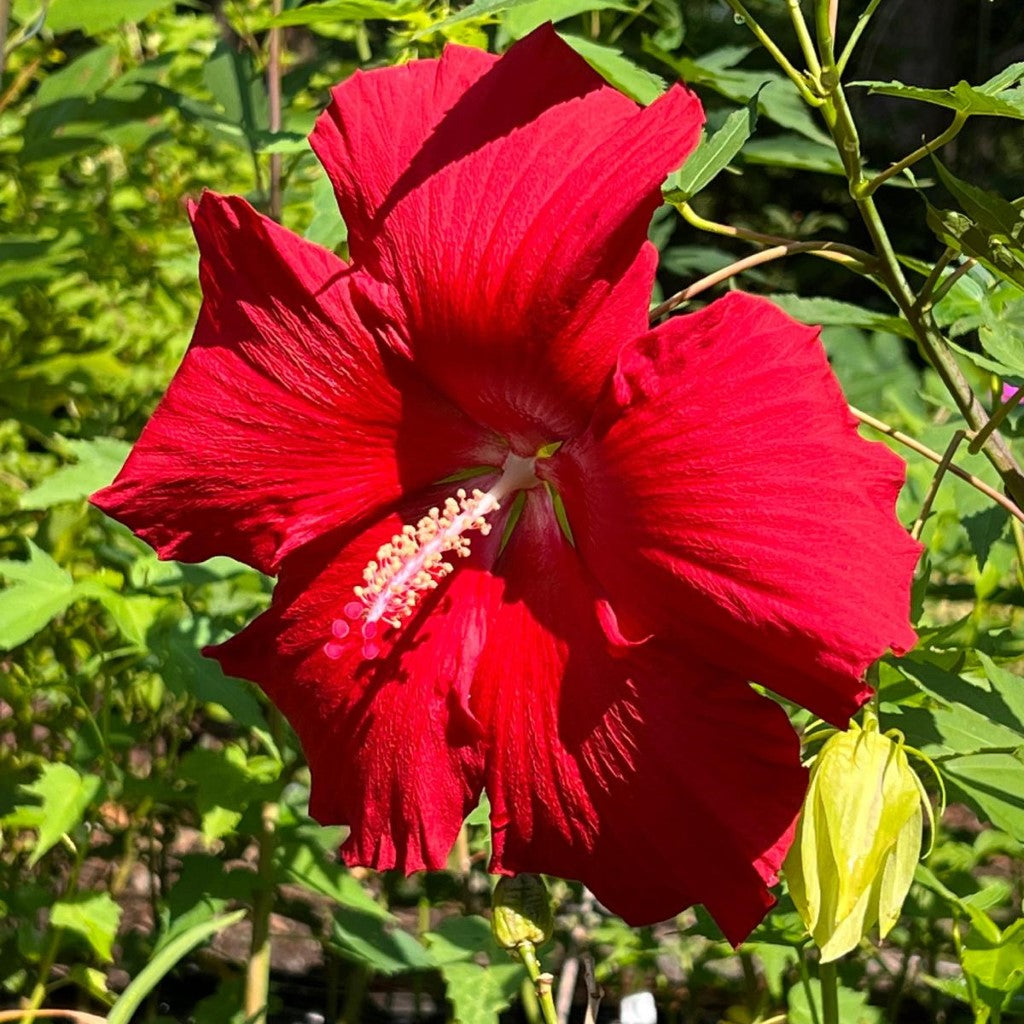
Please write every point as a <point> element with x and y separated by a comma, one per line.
<point>92,915</point>
<point>64,796</point>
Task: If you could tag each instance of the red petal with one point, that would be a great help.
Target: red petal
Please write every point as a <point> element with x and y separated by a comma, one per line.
<point>283,420</point>
<point>393,749</point>
<point>619,765</point>
<point>725,500</point>
<point>532,195</point>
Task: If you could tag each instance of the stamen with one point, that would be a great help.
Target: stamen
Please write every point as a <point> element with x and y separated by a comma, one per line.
<point>413,562</point>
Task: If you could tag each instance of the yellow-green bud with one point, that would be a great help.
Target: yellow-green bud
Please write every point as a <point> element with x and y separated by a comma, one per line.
<point>858,839</point>
<point>522,911</point>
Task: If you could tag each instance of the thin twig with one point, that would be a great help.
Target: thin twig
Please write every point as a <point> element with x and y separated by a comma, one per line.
<point>5,17</point>
<point>862,23</point>
<point>944,289</point>
<point>933,489</point>
<point>838,251</point>
<point>926,149</point>
<point>754,260</point>
<point>274,96</point>
<point>933,277</point>
<point>933,456</point>
<point>23,77</point>
<point>594,991</point>
<point>995,421</point>
<point>78,1016</point>
<point>780,58</point>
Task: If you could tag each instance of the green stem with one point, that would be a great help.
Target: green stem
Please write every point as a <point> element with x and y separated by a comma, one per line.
<point>837,251</point>
<point>796,15</point>
<point>840,123</point>
<point>938,294</point>
<point>49,957</point>
<point>274,100</point>
<point>805,981</point>
<point>933,277</point>
<point>257,973</point>
<point>858,29</point>
<point>780,58</point>
<point>933,490</point>
<point>959,120</point>
<point>995,421</point>
<point>829,993</point>
<point>542,981</point>
<point>934,456</point>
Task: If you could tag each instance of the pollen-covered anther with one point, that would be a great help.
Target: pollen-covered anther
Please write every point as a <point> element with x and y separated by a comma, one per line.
<point>413,562</point>
<point>410,565</point>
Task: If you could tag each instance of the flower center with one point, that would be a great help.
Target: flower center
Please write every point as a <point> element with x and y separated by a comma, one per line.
<point>413,562</point>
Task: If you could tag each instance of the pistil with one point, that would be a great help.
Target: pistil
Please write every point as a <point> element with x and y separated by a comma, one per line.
<point>413,562</point>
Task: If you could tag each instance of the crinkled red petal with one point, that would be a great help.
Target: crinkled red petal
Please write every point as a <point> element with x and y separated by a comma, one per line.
<point>394,750</point>
<point>725,501</point>
<point>284,419</point>
<point>619,765</point>
<point>511,248</point>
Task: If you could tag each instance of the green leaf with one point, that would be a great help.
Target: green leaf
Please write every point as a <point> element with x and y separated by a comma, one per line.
<point>92,915</point>
<point>478,11</point>
<point>96,464</point>
<point>378,943</point>
<point>993,98</point>
<point>777,97</point>
<point>713,154</point>
<point>620,71</point>
<point>465,937</point>
<point>853,1006</point>
<point>989,209</point>
<point>238,87</point>
<point>994,784</point>
<point>95,16</point>
<point>523,18</point>
<point>326,228</point>
<point>993,249</point>
<point>226,782</point>
<point>82,78</point>
<point>479,994</point>
<point>64,796</point>
<point>299,858</point>
<point>984,528</point>
<point>995,964</point>
<point>791,151</point>
<point>342,11</point>
<point>42,590</point>
<point>826,312</point>
<point>162,961</point>
<point>185,669</point>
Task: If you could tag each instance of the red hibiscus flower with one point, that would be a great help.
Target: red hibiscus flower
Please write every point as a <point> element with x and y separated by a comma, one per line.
<point>523,544</point>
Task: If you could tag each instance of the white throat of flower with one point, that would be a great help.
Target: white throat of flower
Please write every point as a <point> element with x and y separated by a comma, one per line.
<point>413,562</point>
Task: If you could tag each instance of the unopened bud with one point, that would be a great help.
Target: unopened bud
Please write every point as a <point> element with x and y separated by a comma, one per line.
<point>858,839</point>
<point>522,911</point>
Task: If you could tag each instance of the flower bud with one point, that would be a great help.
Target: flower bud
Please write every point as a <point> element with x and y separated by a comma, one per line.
<point>522,911</point>
<point>858,839</point>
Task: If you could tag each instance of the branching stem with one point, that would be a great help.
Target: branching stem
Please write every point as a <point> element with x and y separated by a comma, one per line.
<point>914,445</point>
<point>781,59</point>
<point>868,188</point>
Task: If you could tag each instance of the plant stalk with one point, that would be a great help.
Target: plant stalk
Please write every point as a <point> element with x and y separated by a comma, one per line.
<point>829,993</point>
<point>257,972</point>
<point>839,119</point>
<point>274,97</point>
<point>542,981</point>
